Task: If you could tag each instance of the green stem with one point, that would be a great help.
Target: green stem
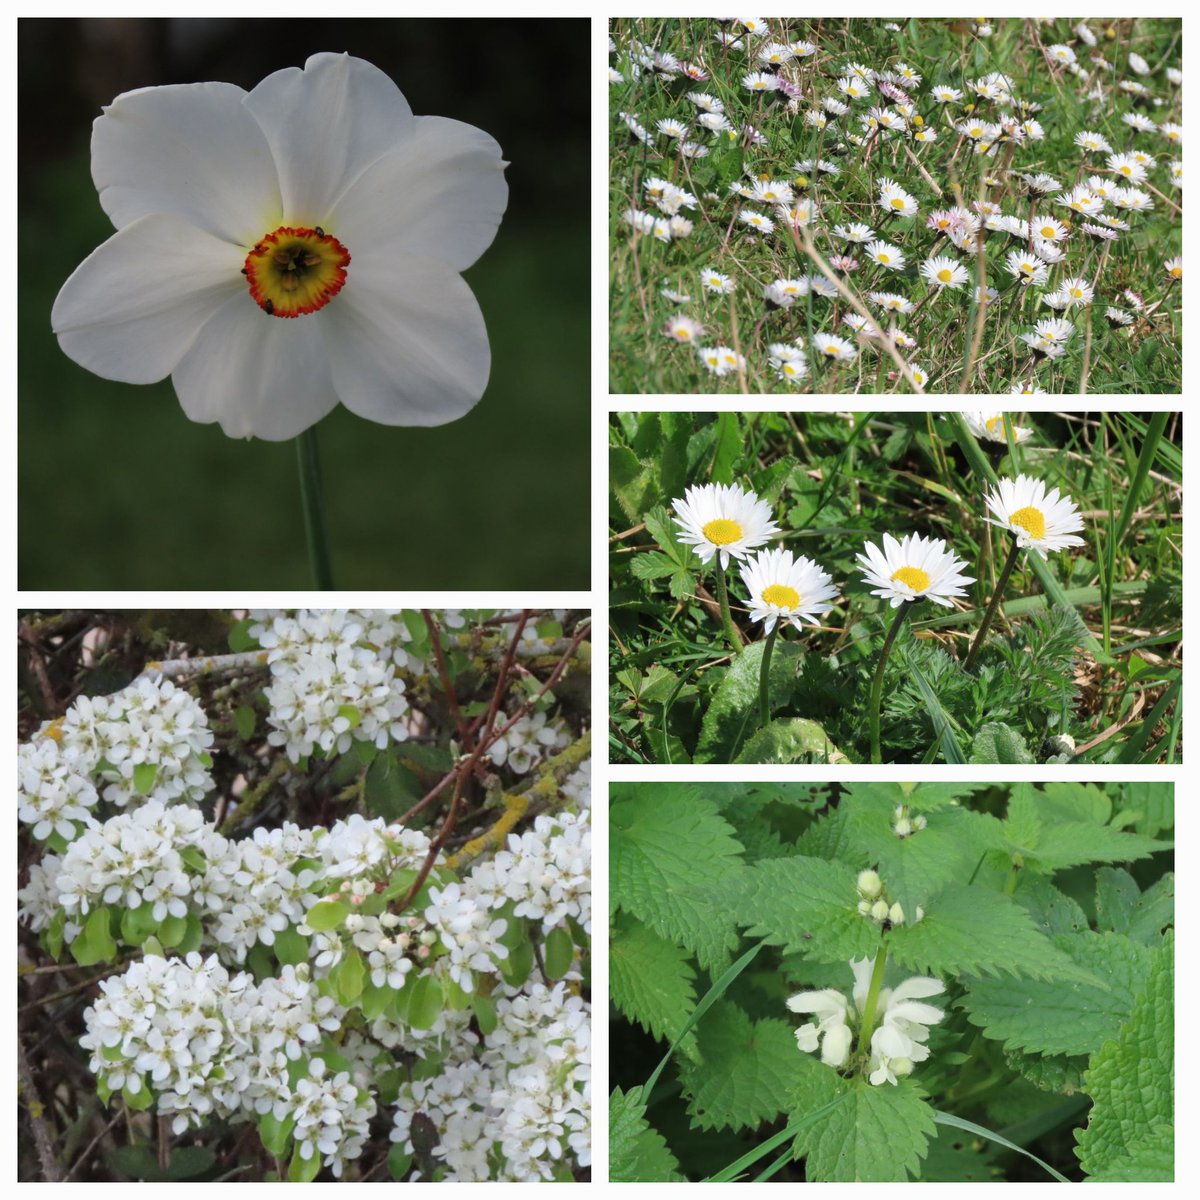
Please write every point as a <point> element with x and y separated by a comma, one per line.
<point>1010,884</point>
<point>993,604</point>
<point>877,682</point>
<point>731,630</point>
<point>764,679</point>
<point>315,528</point>
<point>868,1017</point>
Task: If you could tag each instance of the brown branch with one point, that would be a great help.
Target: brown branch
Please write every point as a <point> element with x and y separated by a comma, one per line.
<point>51,1173</point>
<point>464,731</point>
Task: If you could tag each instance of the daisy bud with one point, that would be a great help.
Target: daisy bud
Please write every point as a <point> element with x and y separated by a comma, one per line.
<point>869,884</point>
<point>879,910</point>
<point>896,914</point>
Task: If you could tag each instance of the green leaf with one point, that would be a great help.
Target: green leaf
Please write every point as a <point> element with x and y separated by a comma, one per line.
<point>997,742</point>
<point>348,978</point>
<point>650,981</point>
<point>873,1135</point>
<point>425,1002</point>
<point>970,930</point>
<point>633,483</point>
<point>664,842</point>
<point>244,721</point>
<point>953,1122</point>
<point>94,943</point>
<point>239,636</point>
<point>1073,843</point>
<point>558,953</point>
<point>399,1161</point>
<point>485,1013</point>
<point>733,712</point>
<point>790,740</point>
<point>274,1133</point>
<point>327,915</point>
<point>291,948</point>
<point>808,906</point>
<point>636,1152</point>
<point>745,1071</point>
<point>303,1170</point>
<point>171,931</point>
<point>144,775</point>
<point>142,1099</point>
<point>194,858</point>
<point>137,924</point>
<point>350,713</point>
<point>189,1161</point>
<point>1130,1131</point>
<point>1063,1018</point>
<point>375,1000</point>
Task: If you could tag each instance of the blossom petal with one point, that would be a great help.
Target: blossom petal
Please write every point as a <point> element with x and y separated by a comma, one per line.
<point>406,342</point>
<point>134,306</point>
<point>326,123</point>
<point>259,376</point>
<point>191,150</point>
<point>915,987</point>
<point>440,194</point>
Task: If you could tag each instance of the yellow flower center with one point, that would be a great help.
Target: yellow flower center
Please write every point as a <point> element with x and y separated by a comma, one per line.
<point>1176,272</point>
<point>1030,520</point>
<point>993,423</point>
<point>683,334</point>
<point>1048,231</point>
<point>782,596</point>
<point>897,201</point>
<point>722,532</point>
<point>295,271</point>
<point>913,576</point>
<point>945,274</point>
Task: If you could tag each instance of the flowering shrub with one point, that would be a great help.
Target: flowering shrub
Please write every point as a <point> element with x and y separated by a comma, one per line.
<point>878,981</point>
<point>333,892</point>
<point>930,206</point>
<point>905,587</point>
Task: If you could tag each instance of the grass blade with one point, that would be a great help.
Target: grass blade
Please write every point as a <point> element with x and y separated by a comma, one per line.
<point>942,1118</point>
<point>735,1169</point>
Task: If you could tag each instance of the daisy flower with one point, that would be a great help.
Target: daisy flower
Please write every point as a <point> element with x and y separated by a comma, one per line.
<point>993,426</point>
<point>1040,520</point>
<point>834,347</point>
<point>943,94</point>
<point>671,129</point>
<point>721,360</point>
<point>1127,166</point>
<point>715,282</point>
<point>1117,318</point>
<point>943,272</point>
<point>1028,268</point>
<point>786,588</point>
<point>920,377</point>
<point>760,81</point>
<point>1174,267</point>
<point>886,255</point>
<point>1048,229</point>
<point>1171,131</point>
<point>1092,142</point>
<point>894,199</point>
<point>854,232</point>
<point>757,221</point>
<point>854,87</point>
<point>683,330</point>
<point>914,568</point>
<point>1077,291</point>
<point>723,519</point>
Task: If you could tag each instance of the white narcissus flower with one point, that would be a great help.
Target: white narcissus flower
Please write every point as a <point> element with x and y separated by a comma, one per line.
<point>914,568</point>
<point>1040,520</point>
<point>786,588</point>
<point>317,197</point>
<point>723,518</point>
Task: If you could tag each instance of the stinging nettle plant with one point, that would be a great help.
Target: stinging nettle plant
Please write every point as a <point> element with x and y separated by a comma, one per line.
<point>879,981</point>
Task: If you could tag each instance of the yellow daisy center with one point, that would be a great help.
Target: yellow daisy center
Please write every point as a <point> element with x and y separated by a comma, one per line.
<point>683,334</point>
<point>945,274</point>
<point>1176,272</point>
<point>913,576</point>
<point>722,532</point>
<point>897,202</point>
<point>1030,520</point>
<point>782,596</point>
<point>993,423</point>
<point>295,271</point>
<point>1048,231</point>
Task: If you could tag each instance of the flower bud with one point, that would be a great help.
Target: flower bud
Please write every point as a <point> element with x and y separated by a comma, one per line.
<point>896,914</point>
<point>354,922</point>
<point>869,884</point>
<point>879,910</point>
<point>918,822</point>
<point>389,920</point>
<point>901,1066</point>
<point>902,828</point>
<point>920,914</point>
<point>864,907</point>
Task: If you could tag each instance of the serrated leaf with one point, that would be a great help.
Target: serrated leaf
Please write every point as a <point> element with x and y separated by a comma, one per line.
<point>997,742</point>
<point>1051,910</point>
<point>1073,843</point>
<point>1022,825</point>
<point>650,981</point>
<point>746,1069</point>
<point>1063,1018</point>
<point>1074,802</point>
<point>633,483</point>
<point>637,1153</point>
<point>1049,1072</point>
<point>874,1134</point>
<point>807,906</point>
<point>665,843</point>
<point>1132,1084</point>
<point>970,930</point>
<point>652,564</point>
<point>790,740</point>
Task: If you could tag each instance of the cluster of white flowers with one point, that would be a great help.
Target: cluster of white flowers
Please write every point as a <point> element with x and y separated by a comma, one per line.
<point>334,678</point>
<point>897,1042</point>
<point>150,739</point>
<point>332,1116</point>
<point>526,1093</point>
<point>531,740</point>
<point>873,903</point>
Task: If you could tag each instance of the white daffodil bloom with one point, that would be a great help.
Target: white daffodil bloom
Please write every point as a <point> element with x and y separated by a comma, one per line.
<point>1040,520</point>
<point>723,518</point>
<point>281,250</point>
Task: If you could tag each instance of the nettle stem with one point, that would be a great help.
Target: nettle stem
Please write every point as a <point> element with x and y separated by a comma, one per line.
<point>764,679</point>
<point>1001,584</point>
<point>315,528</point>
<point>731,630</point>
<point>877,682</point>
<point>868,1016</point>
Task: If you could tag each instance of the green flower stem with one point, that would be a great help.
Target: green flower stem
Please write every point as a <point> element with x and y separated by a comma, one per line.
<point>877,682</point>
<point>764,679</point>
<point>868,1017</point>
<point>731,630</point>
<point>993,604</point>
<point>315,527</point>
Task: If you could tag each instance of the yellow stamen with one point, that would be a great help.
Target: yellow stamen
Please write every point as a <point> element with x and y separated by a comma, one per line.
<point>722,532</point>
<point>781,596</point>
<point>945,275</point>
<point>897,202</point>
<point>913,576</point>
<point>1030,520</point>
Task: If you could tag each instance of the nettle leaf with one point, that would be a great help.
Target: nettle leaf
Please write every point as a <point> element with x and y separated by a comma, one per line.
<point>1050,1072</point>
<point>746,1069</point>
<point>808,906</point>
<point>650,980</point>
<point>732,715</point>
<point>873,1135</point>
<point>667,843</point>
<point>1058,1017</point>
<point>970,930</point>
<point>1073,843</point>
<point>1051,910</point>
<point>1074,802</point>
<point>1131,1079</point>
<point>637,1153</point>
<point>1124,908</point>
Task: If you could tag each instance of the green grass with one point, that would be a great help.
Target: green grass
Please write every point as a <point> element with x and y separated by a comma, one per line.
<point>1145,357</point>
<point>1088,643</point>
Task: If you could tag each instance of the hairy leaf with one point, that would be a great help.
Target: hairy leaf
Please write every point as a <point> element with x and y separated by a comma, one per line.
<point>790,740</point>
<point>732,714</point>
<point>636,1151</point>
<point>650,981</point>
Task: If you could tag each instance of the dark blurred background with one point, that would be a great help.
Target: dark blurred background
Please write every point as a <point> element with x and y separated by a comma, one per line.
<point>118,489</point>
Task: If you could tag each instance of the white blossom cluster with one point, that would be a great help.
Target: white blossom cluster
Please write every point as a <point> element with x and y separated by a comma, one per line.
<point>214,1045</point>
<point>101,742</point>
<point>334,678</point>
<point>533,643</point>
<point>526,1094</point>
<point>531,740</point>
